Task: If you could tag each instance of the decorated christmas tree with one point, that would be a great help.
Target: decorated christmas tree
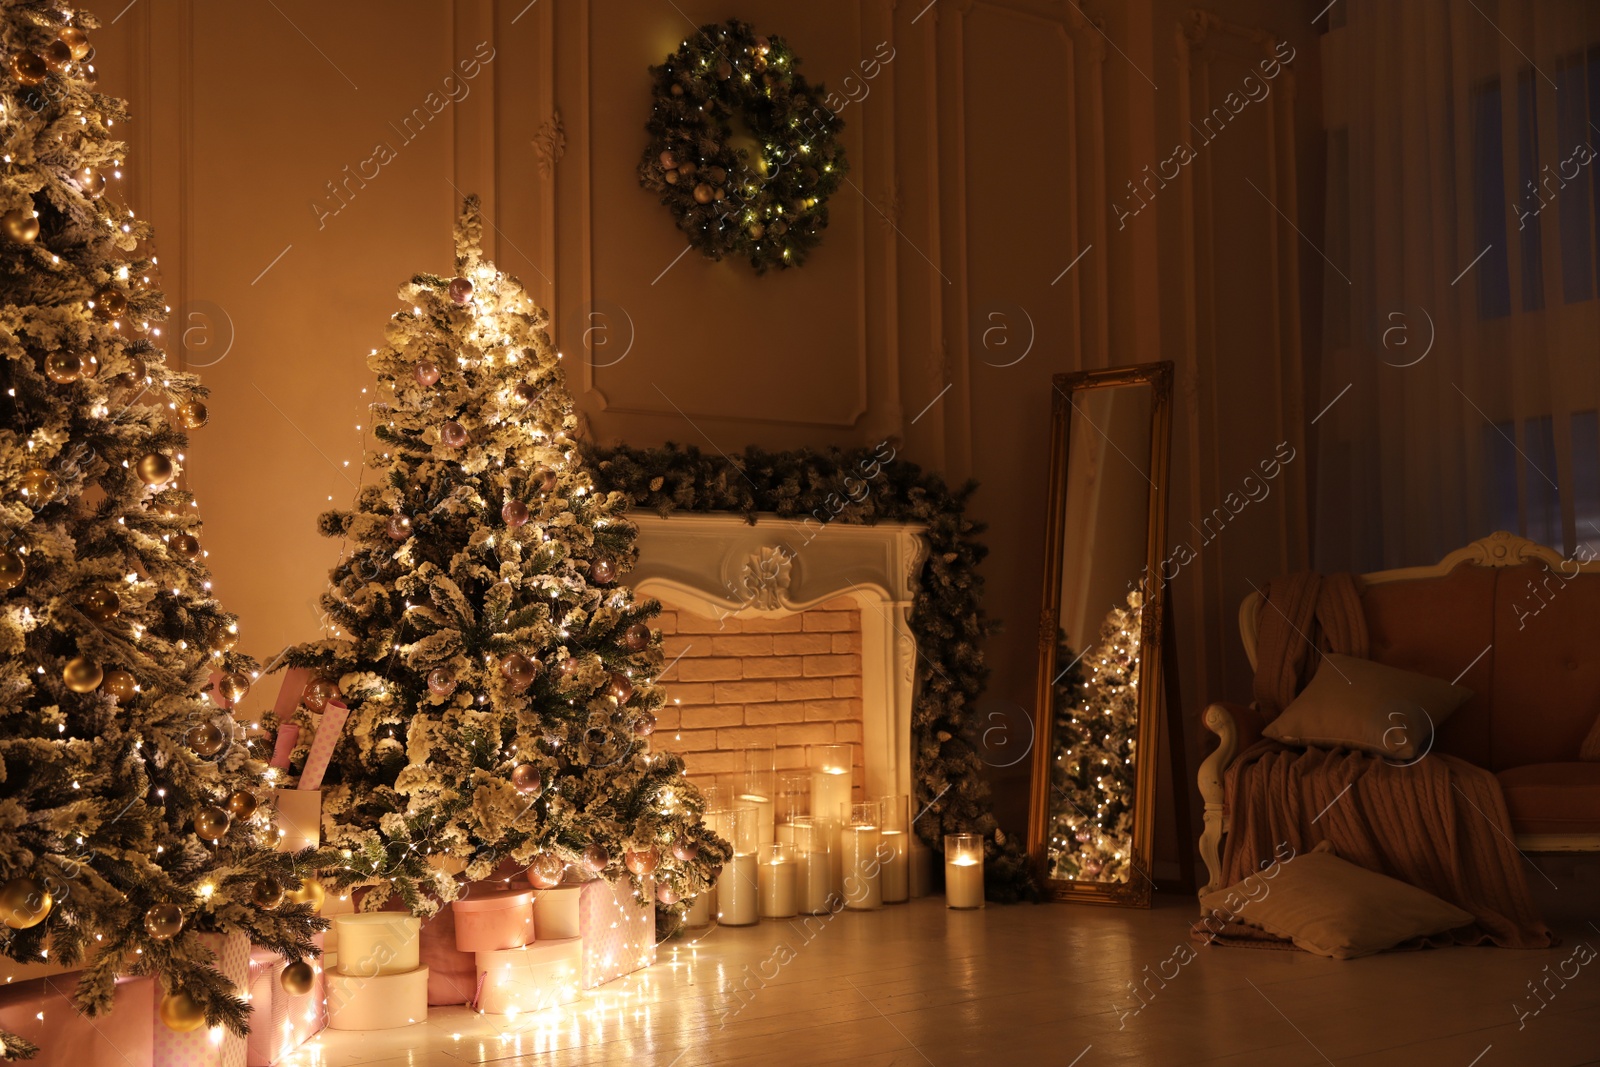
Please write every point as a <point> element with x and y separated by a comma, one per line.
<point>500,681</point>
<point>1096,726</point>
<point>128,797</point>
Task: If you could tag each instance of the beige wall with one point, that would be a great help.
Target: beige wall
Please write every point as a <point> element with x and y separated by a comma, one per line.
<point>986,157</point>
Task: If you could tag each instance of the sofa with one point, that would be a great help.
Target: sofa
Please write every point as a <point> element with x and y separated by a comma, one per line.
<point>1513,621</point>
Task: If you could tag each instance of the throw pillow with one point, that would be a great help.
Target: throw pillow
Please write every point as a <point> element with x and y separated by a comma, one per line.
<point>1358,704</point>
<point>1331,907</point>
<point>1589,751</point>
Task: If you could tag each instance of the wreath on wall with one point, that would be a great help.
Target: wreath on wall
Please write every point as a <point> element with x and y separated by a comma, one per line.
<point>742,149</point>
<point>867,486</point>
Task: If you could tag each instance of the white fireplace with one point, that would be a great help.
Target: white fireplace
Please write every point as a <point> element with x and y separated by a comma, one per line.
<point>720,567</point>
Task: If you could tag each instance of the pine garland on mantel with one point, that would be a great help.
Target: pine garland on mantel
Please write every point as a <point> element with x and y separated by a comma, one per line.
<point>867,486</point>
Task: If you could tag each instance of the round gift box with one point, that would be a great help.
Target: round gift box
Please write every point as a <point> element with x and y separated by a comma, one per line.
<point>555,912</point>
<point>377,1002</point>
<point>487,920</point>
<point>537,976</point>
<point>377,943</point>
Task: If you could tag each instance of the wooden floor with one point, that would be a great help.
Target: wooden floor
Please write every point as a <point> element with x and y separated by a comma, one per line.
<point>917,984</point>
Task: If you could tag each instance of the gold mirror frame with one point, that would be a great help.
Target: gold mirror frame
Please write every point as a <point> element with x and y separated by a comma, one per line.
<point>1136,891</point>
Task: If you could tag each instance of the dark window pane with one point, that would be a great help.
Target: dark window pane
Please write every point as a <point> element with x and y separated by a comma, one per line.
<point>1493,271</point>
<point>1528,183</point>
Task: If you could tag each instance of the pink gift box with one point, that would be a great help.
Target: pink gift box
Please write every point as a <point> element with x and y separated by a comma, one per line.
<point>329,727</point>
<point>202,1047</point>
<point>280,1023</point>
<point>295,680</point>
<point>619,933</point>
<point>487,920</point>
<point>42,1011</point>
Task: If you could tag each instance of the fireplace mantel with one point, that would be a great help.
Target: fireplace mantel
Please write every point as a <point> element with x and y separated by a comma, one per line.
<point>720,566</point>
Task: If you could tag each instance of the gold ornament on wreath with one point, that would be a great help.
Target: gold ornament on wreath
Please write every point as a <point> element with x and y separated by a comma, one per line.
<point>742,149</point>
<point>24,902</point>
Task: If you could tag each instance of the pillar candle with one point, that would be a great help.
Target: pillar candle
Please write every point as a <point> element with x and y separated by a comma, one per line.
<point>702,908</point>
<point>776,879</point>
<point>813,868</point>
<point>963,870</point>
<point>830,794</point>
<point>763,806</point>
<point>893,851</point>
<point>737,890</point>
<point>863,877</point>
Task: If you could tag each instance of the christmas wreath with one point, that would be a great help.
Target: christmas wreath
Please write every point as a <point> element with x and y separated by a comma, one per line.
<point>741,148</point>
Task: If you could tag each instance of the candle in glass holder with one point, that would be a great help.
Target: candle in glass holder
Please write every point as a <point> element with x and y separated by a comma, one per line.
<point>963,871</point>
<point>701,908</point>
<point>830,799</point>
<point>894,848</point>
<point>737,886</point>
<point>813,867</point>
<point>794,802</point>
<point>776,881</point>
<point>760,772</point>
<point>863,882</point>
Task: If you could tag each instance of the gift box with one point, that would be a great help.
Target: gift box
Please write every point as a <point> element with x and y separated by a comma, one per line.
<point>375,1001</point>
<point>298,817</point>
<point>208,1046</point>
<point>279,1021</point>
<point>537,976</point>
<point>556,913</point>
<point>619,933</point>
<point>487,919</point>
<point>42,1011</point>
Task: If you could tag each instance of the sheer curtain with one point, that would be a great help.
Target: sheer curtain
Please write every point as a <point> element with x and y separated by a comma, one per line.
<point>1460,371</point>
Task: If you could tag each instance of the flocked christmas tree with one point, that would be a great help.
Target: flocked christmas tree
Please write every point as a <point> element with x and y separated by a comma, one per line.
<point>500,680</point>
<point>128,819</point>
<point>1096,730</point>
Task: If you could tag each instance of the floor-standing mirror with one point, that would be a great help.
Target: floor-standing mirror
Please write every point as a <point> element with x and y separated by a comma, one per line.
<point>1098,715</point>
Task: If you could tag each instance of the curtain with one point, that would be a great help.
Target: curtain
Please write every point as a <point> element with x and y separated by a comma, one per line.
<point>1459,379</point>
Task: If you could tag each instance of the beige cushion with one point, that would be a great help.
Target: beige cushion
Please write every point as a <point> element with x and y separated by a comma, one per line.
<point>1366,706</point>
<point>1332,907</point>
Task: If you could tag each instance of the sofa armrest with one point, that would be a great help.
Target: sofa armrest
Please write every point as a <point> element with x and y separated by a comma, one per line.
<point>1237,728</point>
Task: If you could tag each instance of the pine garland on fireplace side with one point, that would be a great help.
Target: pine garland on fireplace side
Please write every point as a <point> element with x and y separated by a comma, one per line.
<point>867,486</point>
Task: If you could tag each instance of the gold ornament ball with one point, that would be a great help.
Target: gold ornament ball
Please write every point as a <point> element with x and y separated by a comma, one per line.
<point>93,182</point>
<point>602,571</point>
<point>233,686</point>
<point>91,366</point>
<point>193,414</point>
<point>225,639</point>
<point>545,871</point>
<point>24,902</point>
<point>120,684</point>
<point>164,921</point>
<point>28,68</point>
<point>242,803</point>
<point>40,486</point>
<point>76,40</point>
<point>21,226</point>
<point>102,605</point>
<point>267,893</point>
<point>297,978</point>
<point>211,822</point>
<point>641,862</point>
<point>526,779</point>
<point>184,546</point>
<point>181,1013</point>
<point>620,689</point>
<point>542,480</point>
<point>155,469</point>
<point>318,694</point>
<point>82,674</point>
<point>637,637</point>
<point>13,568</point>
<point>63,368</point>
<point>310,892</point>
<point>702,193</point>
<point>595,857</point>
<point>109,303</point>
<point>206,739</point>
<point>519,669</point>
<point>57,56</point>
